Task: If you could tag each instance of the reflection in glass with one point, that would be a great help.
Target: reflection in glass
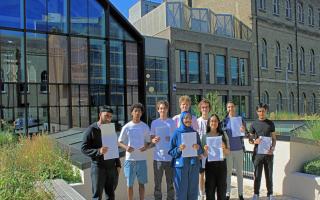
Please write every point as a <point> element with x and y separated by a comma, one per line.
<point>116,62</point>
<point>234,71</point>
<point>98,66</point>
<point>36,12</point>
<point>57,16</point>
<point>96,19</point>
<point>220,69</point>
<point>79,60</point>
<point>79,16</point>
<point>11,13</point>
<point>194,67</point>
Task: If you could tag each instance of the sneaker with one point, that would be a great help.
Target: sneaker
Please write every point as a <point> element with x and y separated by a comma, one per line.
<point>227,197</point>
<point>270,197</point>
<point>255,197</point>
<point>241,197</point>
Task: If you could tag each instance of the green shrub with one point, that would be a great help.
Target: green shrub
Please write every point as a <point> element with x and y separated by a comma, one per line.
<point>217,106</point>
<point>25,165</point>
<point>312,167</point>
<point>312,131</point>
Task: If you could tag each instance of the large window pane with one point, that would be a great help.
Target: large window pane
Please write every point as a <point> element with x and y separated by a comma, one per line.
<point>132,63</point>
<point>243,67</point>
<point>12,60</point>
<point>57,16</point>
<point>58,59</point>
<point>116,62</point>
<point>183,66</point>
<point>207,68</point>
<point>11,13</point>
<point>234,71</point>
<point>220,70</point>
<point>36,12</point>
<point>98,66</point>
<point>96,19</point>
<point>79,60</point>
<point>98,95</point>
<point>117,31</point>
<point>79,16</point>
<point>194,67</point>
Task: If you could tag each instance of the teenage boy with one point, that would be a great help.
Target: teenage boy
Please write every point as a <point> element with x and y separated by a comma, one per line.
<point>235,157</point>
<point>161,158</point>
<point>204,107</point>
<point>262,127</point>
<point>185,103</point>
<point>134,138</point>
<point>104,173</point>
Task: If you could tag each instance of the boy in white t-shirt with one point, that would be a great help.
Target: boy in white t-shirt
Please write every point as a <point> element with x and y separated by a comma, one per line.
<point>204,107</point>
<point>134,138</point>
<point>185,103</point>
<point>161,132</point>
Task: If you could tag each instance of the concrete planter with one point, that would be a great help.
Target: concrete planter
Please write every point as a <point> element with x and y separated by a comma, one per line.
<point>303,186</point>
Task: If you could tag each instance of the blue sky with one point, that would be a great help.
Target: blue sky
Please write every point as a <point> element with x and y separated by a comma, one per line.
<point>124,5</point>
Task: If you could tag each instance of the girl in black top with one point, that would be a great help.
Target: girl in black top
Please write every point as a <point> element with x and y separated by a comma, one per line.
<point>216,171</point>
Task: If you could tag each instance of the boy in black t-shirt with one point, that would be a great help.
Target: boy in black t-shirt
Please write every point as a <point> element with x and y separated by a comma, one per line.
<point>262,129</point>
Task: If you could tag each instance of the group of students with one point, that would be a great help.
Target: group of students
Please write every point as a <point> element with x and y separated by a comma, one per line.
<point>187,178</point>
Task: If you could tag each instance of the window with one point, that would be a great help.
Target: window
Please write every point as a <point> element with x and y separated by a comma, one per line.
<point>288,9</point>
<point>276,7</point>
<point>183,66</point>
<point>44,82</point>
<point>289,58</point>
<point>243,65</point>
<point>312,62</point>
<point>220,69</point>
<point>264,54</point>
<point>262,4</point>
<point>310,16</point>
<point>194,67</point>
<point>279,102</point>
<point>207,67</point>
<point>300,12</point>
<point>2,80</point>
<point>277,56</point>
<point>234,71</point>
<point>304,103</point>
<point>319,17</point>
<point>302,61</point>
<point>313,103</point>
<point>291,102</point>
<point>265,98</point>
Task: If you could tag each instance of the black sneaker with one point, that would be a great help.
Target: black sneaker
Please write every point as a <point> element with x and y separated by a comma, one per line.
<point>241,197</point>
<point>227,197</point>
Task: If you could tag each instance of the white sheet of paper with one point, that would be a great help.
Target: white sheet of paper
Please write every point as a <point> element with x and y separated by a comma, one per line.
<point>109,139</point>
<point>189,139</point>
<point>236,123</point>
<point>163,133</point>
<point>265,144</point>
<point>136,138</point>
<point>215,152</point>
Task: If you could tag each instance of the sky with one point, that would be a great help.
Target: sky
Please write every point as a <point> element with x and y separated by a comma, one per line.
<point>124,5</point>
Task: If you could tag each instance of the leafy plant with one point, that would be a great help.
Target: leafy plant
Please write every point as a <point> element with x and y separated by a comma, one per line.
<point>217,106</point>
<point>312,167</point>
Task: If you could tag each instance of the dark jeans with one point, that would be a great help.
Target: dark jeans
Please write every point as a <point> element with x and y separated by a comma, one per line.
<point>260,162</point>
<point>104,178</point>
<point>216,179</point>
<point>159,168</point>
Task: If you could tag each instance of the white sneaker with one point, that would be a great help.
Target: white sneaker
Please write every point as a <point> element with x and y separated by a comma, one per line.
<point>255,197</point>
<point>271,197</point>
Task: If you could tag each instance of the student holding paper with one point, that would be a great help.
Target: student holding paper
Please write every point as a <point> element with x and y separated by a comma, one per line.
<point>204,107</point>
<point>104,173</point>
<point>185,148</point>
<point>235,127</point>
<point>134,138</point>
<point>216,170</point>
<point>262,132</point>
<point>161,131</point>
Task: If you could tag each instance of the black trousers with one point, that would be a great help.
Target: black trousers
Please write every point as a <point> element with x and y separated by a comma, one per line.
<point>260,162</point>
<point>104,179</point>
<point>216,179</point>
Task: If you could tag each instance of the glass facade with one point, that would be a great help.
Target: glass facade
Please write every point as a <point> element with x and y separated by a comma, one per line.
<point>194,67</point>
<point>61,59</point>
<point>220,69</point>
<point>156,74</point>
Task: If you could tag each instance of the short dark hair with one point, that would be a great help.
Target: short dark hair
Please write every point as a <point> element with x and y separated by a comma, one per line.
<point>262,105</point>
<point>137,105</point>
<point>105,109</point>
<point>230,101</point>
